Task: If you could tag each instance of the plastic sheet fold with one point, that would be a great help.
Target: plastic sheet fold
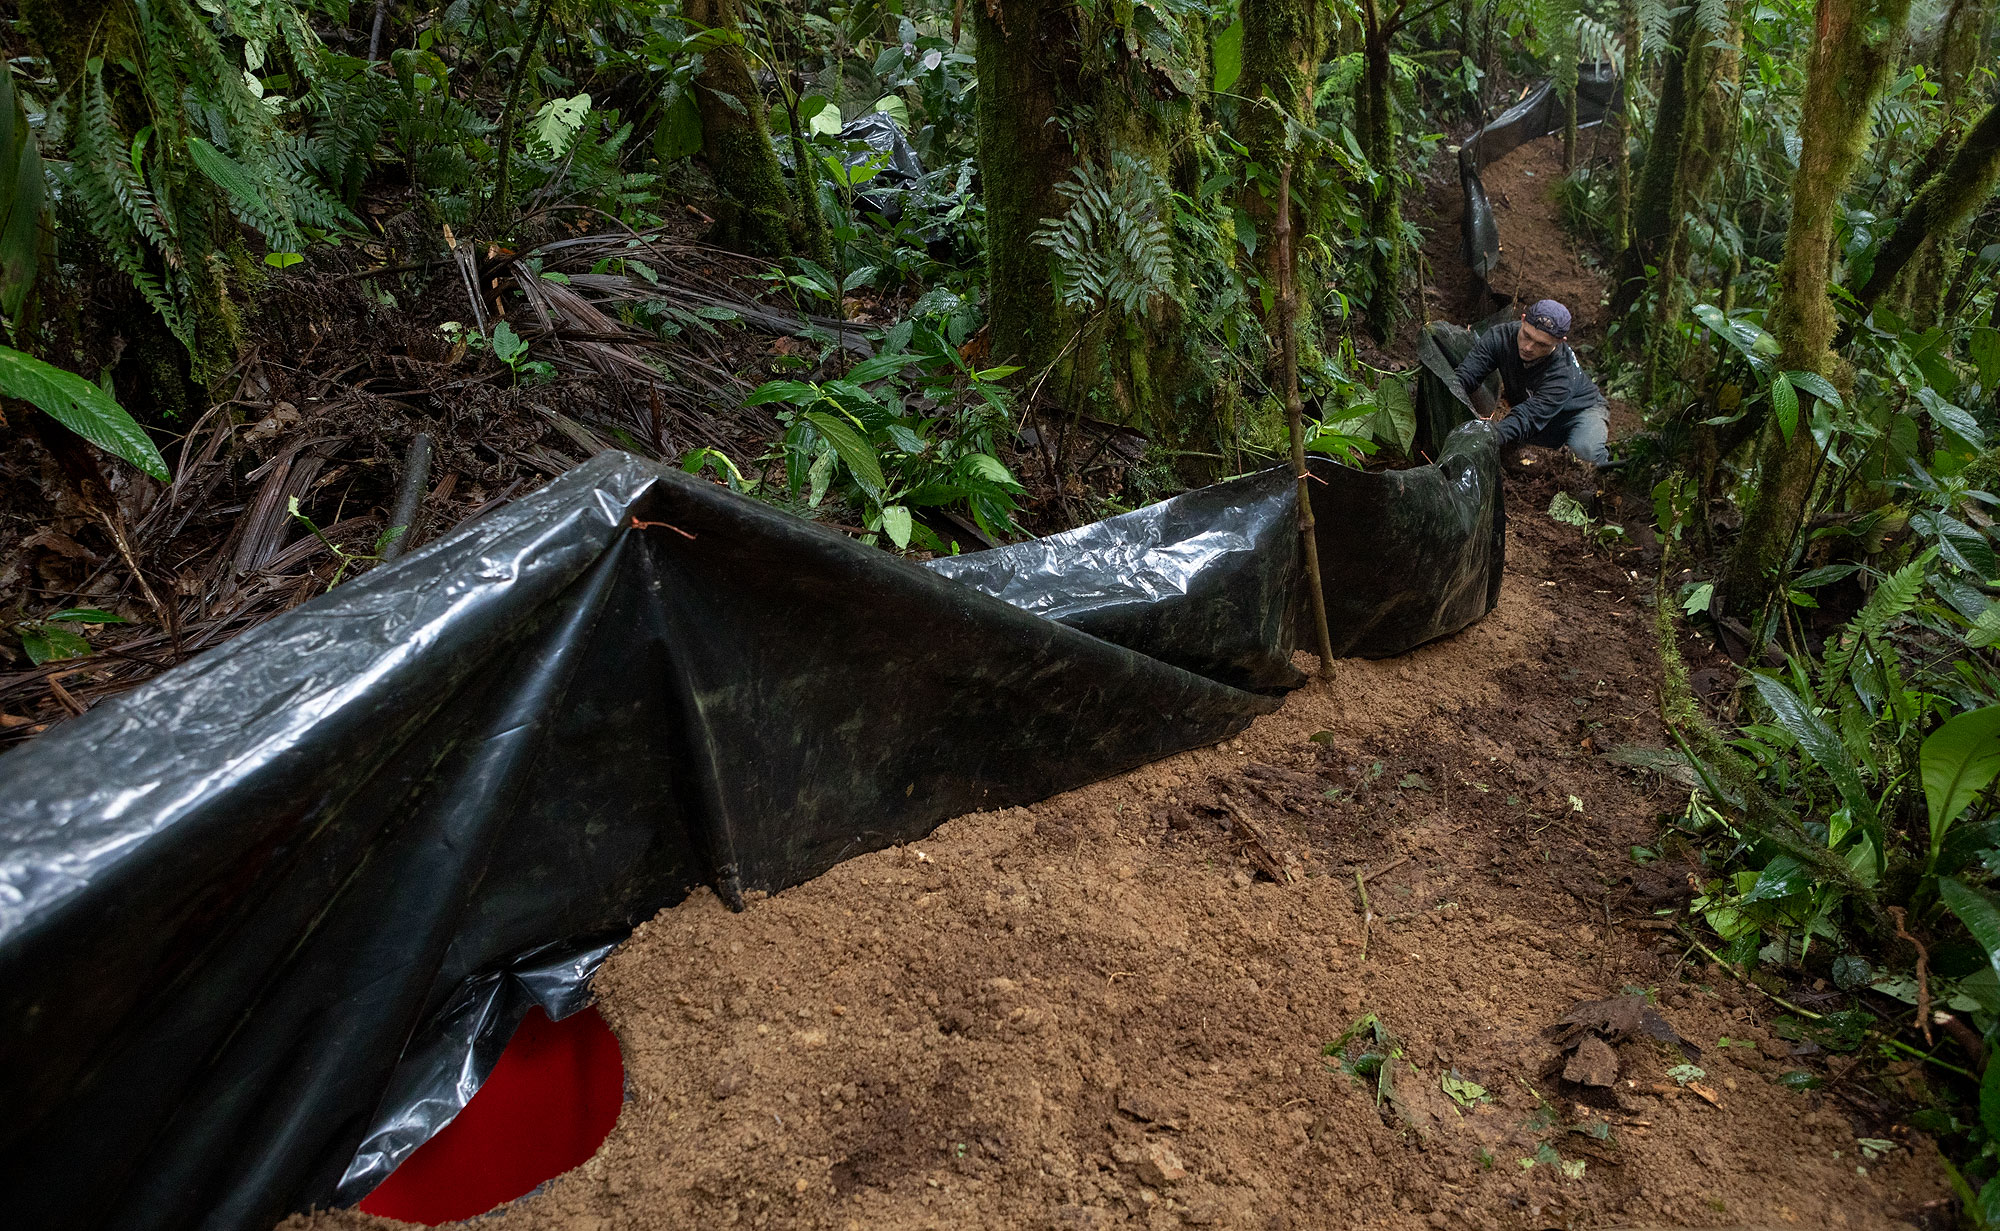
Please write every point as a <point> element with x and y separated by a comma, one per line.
<point>266,922</point>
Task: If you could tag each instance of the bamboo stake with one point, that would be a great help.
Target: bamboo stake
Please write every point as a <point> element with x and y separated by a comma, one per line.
<point>1288,350</point>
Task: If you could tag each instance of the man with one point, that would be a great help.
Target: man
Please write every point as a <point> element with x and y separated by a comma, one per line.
<point>1552,402</point>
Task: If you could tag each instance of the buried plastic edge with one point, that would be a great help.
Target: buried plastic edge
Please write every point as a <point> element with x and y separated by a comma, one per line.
<point>549,1103</point>
<point>441,1073</point>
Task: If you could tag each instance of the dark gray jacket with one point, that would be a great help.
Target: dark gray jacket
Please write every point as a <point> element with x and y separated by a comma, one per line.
<point>1540,392</point>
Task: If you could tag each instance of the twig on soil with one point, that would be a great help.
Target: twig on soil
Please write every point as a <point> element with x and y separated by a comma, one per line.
<point>1923,976</point>
<point>1367,914</point>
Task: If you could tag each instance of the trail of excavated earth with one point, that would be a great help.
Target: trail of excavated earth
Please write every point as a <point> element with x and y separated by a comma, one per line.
<point>1102,1010</point>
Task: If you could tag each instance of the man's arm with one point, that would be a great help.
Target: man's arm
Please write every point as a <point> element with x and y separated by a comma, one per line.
<point>1480,361</point>
<point>1543,404</point>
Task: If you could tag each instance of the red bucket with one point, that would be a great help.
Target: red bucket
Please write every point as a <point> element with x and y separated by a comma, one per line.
<point>546,1107</point>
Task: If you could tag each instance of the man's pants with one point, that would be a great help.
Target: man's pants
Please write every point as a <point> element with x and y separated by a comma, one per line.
<point>1584,431</point>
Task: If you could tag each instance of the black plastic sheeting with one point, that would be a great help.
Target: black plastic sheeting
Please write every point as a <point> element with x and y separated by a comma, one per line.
<point>1540,113</point>
<point>266,922</point>
<point>869,137</point>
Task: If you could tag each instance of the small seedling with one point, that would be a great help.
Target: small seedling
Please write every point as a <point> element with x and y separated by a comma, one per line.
<point>45,642</point>
<point>348,559</point>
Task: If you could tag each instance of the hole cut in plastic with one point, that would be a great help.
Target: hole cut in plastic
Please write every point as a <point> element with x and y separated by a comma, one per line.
<point>548,1104</point>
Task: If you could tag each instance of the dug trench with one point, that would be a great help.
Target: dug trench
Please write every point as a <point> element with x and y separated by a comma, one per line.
<point>1126,1004</point>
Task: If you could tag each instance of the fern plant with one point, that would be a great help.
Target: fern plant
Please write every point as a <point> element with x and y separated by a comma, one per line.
<point>176,132</point>
<point>1113,246</point>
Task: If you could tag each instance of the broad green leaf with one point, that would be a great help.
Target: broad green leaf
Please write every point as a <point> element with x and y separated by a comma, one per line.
<point>81,407</point>
<point>1747,339</point>
<point>508,346</point>
<point>1824,576</point>
<point>1000,373</point>
<point>825,120</point>
<point>893,106</point>
<point>896,523</point>
<point>853,450</point>
<point>878,367</point>
<point>1228,51</point>
<point>1785,404</point>
<point>1781,878</point>
<point>23,199</point>
<point>1817,740</point>
<point>1953,419</point>
<point>282,260</point>
<point>1817,385</point>
<point>1977,911</point>
<point>679,133</point>
<point>797,392</point>
<point>1396,418</point>
<point>1959,759</point>
<point>1958,543</point>
<point>1985,628</point>
<point>88,615</point>
<point>47,645</point>
<point>1983,348</point>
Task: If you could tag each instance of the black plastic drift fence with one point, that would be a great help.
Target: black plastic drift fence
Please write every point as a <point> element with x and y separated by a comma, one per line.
<point>266,922</point>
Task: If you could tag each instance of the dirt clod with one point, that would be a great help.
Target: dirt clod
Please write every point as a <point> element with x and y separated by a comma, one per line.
<point>1592,1064</point>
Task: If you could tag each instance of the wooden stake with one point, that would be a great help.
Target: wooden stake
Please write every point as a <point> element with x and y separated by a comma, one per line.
<point>1288,350</point>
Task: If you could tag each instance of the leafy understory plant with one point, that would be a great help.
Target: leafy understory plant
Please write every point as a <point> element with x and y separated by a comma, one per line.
<point>46,640</point>
<point>80,406</point>
<point>348,559</point>
<point>895,448</point>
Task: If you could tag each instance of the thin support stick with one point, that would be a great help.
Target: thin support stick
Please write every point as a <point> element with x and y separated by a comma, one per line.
<point>409,497</point>
<point>1288,349</point>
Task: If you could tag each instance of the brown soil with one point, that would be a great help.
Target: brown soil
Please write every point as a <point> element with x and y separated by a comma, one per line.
<point>1095,1011</point>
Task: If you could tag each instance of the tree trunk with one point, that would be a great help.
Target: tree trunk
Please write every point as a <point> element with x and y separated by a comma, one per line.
<point>1027,74</point>
<point>1711,73</point>
<point>1621,225</point>
<point>1373,104</point>
<point>1655,210</point>
<point>1855,45</point>
<point>1945,200</point>
<point>1282,44</point>
<point>756,213</point>
<point>1039,69</point>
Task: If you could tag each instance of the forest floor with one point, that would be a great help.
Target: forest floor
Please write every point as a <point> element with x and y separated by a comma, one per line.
<point>1095,1011</point>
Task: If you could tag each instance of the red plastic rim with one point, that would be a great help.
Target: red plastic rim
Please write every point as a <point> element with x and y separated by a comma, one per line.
<point>548,1105</point>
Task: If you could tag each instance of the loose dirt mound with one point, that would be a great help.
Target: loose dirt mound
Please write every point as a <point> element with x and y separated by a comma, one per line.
<point>1095,1010</point>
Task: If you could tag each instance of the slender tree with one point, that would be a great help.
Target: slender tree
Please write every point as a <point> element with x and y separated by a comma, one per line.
<point>757,213</point>
<point>1855,44</point>
<point>1655,208</point>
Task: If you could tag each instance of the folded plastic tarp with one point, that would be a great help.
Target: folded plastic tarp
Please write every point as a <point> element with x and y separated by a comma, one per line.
<point>266,922</point>
<point>1540,112</point>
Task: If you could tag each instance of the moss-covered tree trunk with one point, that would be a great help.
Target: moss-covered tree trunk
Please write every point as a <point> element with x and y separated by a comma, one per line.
<point>1855,44</point>
<point>1712,73</point>
<point>757,213</point>
<point>1282,44</point>
<point>1655,209</point>
<point>1044,69</point>
<point>1028,55</point>
<point>1374,109</point>
<point>1944,201</point>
